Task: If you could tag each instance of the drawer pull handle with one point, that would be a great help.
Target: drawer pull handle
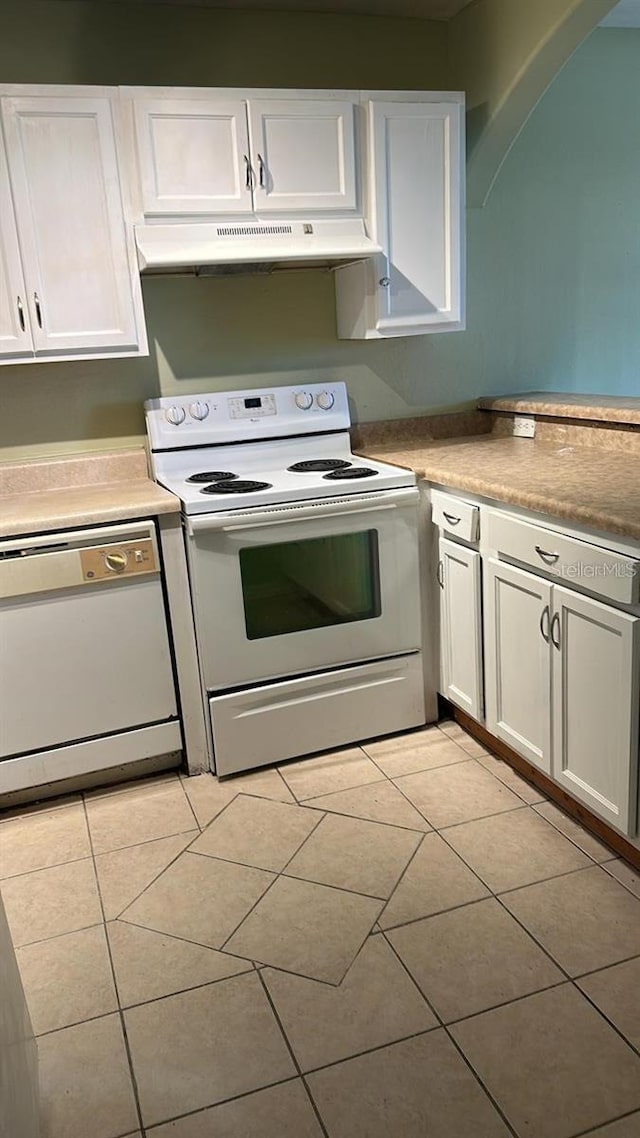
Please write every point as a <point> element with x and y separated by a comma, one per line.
<point>545,617</point>
<point>555,624</point>
<point>440,574</point>
<point>550,558</point>
<point>20,314</point>
<point>36,301</point>
<point>451,518</point>
<point>261,171</point>
<point>248,182</point>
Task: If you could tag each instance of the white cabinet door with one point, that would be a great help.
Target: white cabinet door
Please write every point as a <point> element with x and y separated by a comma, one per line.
<point>460,626</point>
<point>15,332</point>
<point>518,660</point>
<point>194,156</point>
<point>416,156</point>
<point>66,188</point>
<point>304,155</point>
<point>596,693</point>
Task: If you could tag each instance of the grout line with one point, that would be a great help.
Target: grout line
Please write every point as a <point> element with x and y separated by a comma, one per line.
<point>441,1023</point>
<point>190,805</point>
<point>547,952</point>
<point>605,967</point>
<point>603,865</point>
<point>361,817</point>
<point>176,936</point>
<point>482,1084</point>
<point>403,875</point>
<point>561,983</point>
<point>45,868</point>
<point>359,786</point>
<point>607,1018</point>
<point>544,880</point>
<point>56,936</point>
<point>148,842</point>
<point>123,1026</point>
<point>182,991</point>
<point>149,883</point>
<point>248,914</point>
<point>548,801</point>
<point>601,1125</point>
<point>221,1102</point>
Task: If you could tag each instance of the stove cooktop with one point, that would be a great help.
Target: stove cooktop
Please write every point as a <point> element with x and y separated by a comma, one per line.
<point>242,450</point>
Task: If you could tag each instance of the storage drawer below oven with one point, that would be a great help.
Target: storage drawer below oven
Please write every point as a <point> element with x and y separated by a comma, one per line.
<point>280,721</point>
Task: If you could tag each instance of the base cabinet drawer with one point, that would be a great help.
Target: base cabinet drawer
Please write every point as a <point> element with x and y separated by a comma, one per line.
<point>602,571</point>
<point>455,516</point>
<point>311,713</point>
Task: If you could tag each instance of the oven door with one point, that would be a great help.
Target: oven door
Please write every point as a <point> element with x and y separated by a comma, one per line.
<point>297,588</point>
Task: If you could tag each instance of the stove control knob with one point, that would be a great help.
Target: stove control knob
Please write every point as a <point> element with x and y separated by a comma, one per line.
<point>325,400</point>
<point>175,415</point>
<point>303,400</point>
<point>199,410</point>
<point>116,561</point>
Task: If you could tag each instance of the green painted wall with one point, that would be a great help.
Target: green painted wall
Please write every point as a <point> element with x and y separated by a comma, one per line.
<point>554,258</point>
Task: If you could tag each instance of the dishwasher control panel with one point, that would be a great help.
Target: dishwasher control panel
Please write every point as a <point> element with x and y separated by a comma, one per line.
<point>131,557</point>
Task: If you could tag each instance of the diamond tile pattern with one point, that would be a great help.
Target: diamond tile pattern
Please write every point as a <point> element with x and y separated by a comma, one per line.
<point>254,831</point>
<point>352,854</point>
<point>328,917</point>
<point>306,928</point>
<point>200,899</point>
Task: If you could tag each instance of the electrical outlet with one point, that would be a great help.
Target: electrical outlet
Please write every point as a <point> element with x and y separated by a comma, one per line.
<point>524,427</point>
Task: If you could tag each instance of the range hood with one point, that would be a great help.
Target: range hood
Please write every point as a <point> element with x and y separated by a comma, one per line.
<point>226,247</point>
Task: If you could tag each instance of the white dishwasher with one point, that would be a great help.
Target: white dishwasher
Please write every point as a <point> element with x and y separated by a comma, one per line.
<point>86,675</point>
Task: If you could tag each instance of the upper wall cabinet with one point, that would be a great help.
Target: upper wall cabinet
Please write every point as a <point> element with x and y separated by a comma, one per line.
<point>73,290</point>
<point>194,157</point>
<point>416,213</point>
<point>304,155</point>
<point>208,156</point>
<point>15,332</point>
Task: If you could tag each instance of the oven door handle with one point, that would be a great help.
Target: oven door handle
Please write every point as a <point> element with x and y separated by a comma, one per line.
<point>287,521</point>
<point>304,512</point>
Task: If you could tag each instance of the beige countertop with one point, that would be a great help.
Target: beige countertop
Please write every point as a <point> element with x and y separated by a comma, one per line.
<point>53,494</point>
<point>598,488</point>
<point>563,405</point>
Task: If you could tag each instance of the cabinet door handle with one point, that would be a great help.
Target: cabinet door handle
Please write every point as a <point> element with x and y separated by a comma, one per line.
<point>440,573</point>
<point>249,173</point>
<point>545,616</point>
<point>555,624</point>
<point>550,558</point>
<point>261,171</point>
<point>20,313</point>
<point>451,518</point>
<point>36,301</point>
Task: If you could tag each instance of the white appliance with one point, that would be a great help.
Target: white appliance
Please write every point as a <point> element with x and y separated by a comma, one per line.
<point>303,562</point>
<point>85,665</point>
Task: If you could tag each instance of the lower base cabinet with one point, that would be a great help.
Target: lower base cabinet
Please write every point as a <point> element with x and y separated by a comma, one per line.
<point>596,650</point>
<point>561,676</point>
<point>517,608</point>
<point>459,578</point>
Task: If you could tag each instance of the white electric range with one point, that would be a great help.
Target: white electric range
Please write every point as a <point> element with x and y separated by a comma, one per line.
<point>303,562</point>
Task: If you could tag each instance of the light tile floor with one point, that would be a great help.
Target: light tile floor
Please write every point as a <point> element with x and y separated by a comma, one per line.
<point>398,940</point>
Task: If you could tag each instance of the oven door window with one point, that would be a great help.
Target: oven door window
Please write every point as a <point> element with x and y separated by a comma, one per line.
<point>300,585</point>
